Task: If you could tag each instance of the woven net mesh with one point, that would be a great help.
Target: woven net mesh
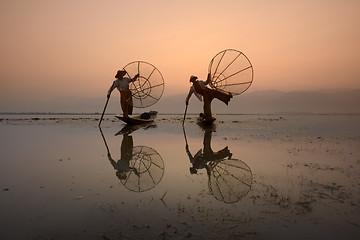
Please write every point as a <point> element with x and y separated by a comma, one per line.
<point>148,88</point>
<point>230,180</point>
<point>231,71</point>
<point>149,166</point>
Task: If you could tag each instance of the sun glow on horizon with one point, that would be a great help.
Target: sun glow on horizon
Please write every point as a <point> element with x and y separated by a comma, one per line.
<point>74,48</point>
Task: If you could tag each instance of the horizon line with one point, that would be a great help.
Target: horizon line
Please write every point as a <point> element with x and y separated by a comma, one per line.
<point>97,113</point>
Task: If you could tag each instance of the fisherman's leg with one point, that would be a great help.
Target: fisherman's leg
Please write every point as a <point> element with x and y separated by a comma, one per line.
<point>207,106</point>
<point>127,147</point>
<point>126,109</point>
<point>207,143</point>
<point>125,99</point>
<point>130,109</point>
<point>224,97</point>
<point>126,112</point>
<point>123,104</point>
<point>130,105</point>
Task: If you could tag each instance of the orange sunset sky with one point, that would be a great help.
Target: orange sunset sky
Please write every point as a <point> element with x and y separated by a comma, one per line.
<point>73,47</point>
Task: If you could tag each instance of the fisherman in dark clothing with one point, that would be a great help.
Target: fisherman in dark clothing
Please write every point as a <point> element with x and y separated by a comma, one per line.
<point>208,94</point>
<point>122,166</point>
<point>206,155</point>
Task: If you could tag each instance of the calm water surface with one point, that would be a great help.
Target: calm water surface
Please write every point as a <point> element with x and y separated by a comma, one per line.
<point>251,177</point>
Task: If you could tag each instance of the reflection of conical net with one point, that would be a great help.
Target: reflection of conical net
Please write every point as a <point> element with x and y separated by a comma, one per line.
<point>231,71</point>
<point>148,88</point>
<point>150,169</point>
<point>230,180</point>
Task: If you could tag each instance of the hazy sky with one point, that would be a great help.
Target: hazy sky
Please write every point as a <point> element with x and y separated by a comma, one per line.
<point>73,48</point>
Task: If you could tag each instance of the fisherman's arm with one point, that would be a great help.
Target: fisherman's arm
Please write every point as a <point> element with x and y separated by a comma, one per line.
<point>191,158</point>
<point>111,89</point>
<point>134,78</point>
<point>208,171</point>
<point>208,79</point>
<point>113,163</point>
<point>189,95</point>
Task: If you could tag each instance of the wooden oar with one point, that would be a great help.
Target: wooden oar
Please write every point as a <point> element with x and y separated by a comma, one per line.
<point>107,148</point>
<point>107,100</point>
<point>185,114</point>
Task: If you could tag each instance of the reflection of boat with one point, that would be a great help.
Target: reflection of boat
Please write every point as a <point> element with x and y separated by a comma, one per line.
<point>144,118</point>
<point>140,168</point>
<point>129,128</point>
<point>229,179</point>
<point>202,122</point>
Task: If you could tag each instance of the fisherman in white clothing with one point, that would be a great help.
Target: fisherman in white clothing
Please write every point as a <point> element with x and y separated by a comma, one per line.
<point>122,84</point>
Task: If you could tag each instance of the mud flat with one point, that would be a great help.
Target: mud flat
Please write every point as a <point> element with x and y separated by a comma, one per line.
<point>260,177</point>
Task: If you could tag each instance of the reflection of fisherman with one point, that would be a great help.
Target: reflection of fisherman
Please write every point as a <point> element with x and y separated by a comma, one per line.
<point>201,91</point>
<point>202,157</point>
<point>122,166</point>
<point>122,84</point>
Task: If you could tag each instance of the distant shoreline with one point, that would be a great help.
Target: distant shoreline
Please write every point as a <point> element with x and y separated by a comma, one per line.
<point>192,114</point>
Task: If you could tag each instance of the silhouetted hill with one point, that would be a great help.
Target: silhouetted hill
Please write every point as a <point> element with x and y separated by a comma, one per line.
<point>274,102</point>
<point>345,101</point>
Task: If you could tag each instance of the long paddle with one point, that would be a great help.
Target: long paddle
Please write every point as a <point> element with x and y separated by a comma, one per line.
<point>107,148</point>
<point>185,114</point>
<point>107,100</point>
<point>186,142</point>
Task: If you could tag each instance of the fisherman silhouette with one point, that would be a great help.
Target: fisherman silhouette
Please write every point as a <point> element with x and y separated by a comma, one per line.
<point>207,94</point>
<point>122,166</point>
<point>122,84</point>
<point>204,156</point>
<point>140,168</point>
<point>229,179</point>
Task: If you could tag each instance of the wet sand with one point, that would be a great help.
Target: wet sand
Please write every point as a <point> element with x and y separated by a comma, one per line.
<point>261,177</point>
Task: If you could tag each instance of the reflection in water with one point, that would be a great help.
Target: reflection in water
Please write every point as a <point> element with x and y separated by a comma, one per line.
<point>140,168</point>
<point>122,166</point>
<point>128,129</point>
<point>229,179</point>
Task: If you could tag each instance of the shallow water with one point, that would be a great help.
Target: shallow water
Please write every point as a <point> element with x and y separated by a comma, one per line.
<point>260,177</point>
